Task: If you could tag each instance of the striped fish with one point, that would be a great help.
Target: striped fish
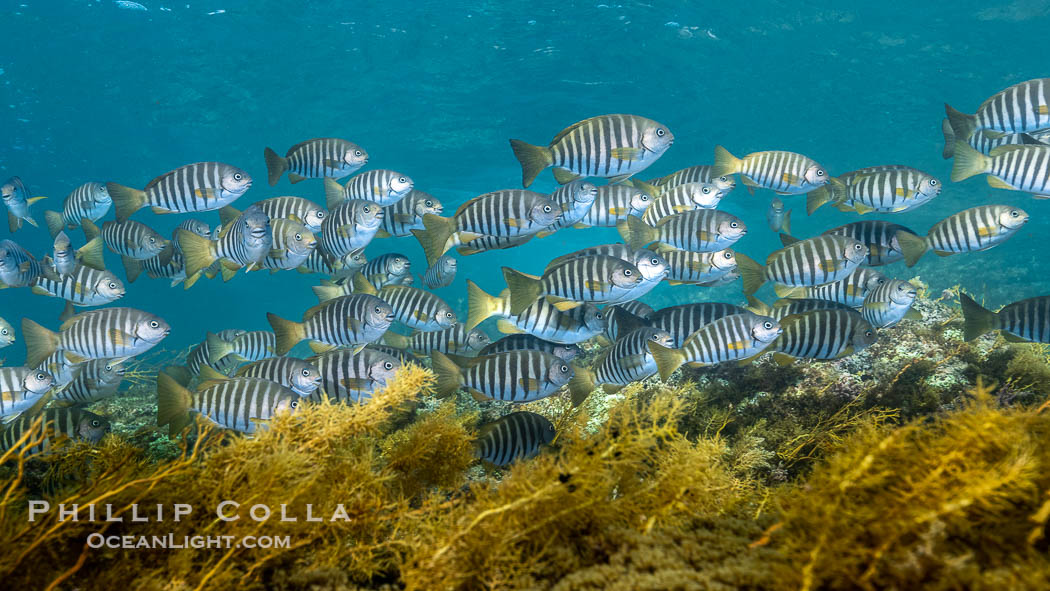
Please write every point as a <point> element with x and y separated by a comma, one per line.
<point>680,199</point>
<point>7,333</point>
<point>616,250</point>
<point>613,204</point>
<point>441,273</point>
<point>62,370</point>
<point>51,427</point>
<point>407,214</point>
<point>83,287</point>
<point>628,360</point>
<point>95,380</point>
<point>783,308</point>
<point>203,186</point>
<point>18,268</point>
<point>778,217</point>
<point>297,209</point>
<point>16,197</point>
<point>889,303</point>
<point>850,291</point>
<point>21,388</point>
<point>386,269</point>
<point>737,337</point>
<point>174,268</point>
<point>619,321</point>
<point>240,404</point>
<point>353,377</point>
<point>65,258</point>
<point>244,242</point>
<point>514,376</point>
<point>1020,108</point>
<point>90,201</point>
<point>513,437</point>
<point>685,319</point>
<point>814,261</point>
<point>292,244</point>
<point>541,319</point>
<point>883,189</point>
<point>651,265</point>
<point>639,309</point>
<point>609,146</point>
<point>700,230</point>
<point>252,345</point>
<point>457,340</point>
<point>487,243</point>
<point>404,357</point>
<point>316,158</point>
<point>132,240</point>
<point>703,173</point>
<point>698,268</point>
<point>575,200</point>
<point>348,320</point>
<point>596,279</point>
<point>984,141</point>
<point>504,214</point>
<point>516,342</point>
<point>198,359</point>
<point>337,267</point>
<point>350,227</point>
<point>1026,320</point>
<point>415,308</point>
<point>96,334</point>
<point>1015,168</point>
<point>880,237</point>
<point>787,173</point>
<point>385,187</point>
<point>822,334</point>
<point>971,230</point>
<point>196,226</point>
<point>297,375</point>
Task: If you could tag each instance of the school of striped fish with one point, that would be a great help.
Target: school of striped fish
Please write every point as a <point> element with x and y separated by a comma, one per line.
<point>375,315</point>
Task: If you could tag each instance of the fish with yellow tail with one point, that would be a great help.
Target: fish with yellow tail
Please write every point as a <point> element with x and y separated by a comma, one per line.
<point>628,360</point>
<point>700,230</point>
<point>738,337</point>
<point>542,319</point>
<point>813,261</point>
<point>96,334</point>
<point>890,303</point>
<point>517,436</point>
<point>786,173</point>
<point>1026,166</point>
<point>240,404</point>
<point>203,186</point>
<point>882,189</point>
<point>350,320</point>
<point>16,197</point>
<point>317,158</point>
<point>822,334</point>
<point>971,230</point>
<point>1020,108</point>
<point>514,376</point>
<point>1025,321</point>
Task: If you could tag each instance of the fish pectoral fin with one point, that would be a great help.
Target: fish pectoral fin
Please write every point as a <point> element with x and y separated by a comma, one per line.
<point>738,345</point>
<point>791,179</point>
<point>506,327</point>
<point>353,324</point>
<point>204,193</point>
<point>631,362</point>
<point>333,163</point>
<point>420,315</point>
<point>703,236</point>
<point>161,210</point>
<point>1012,338</point>
<point>618,210</point>
<point>626,153</point>
<point>564,305</point>
<point>830,266</point>
<point>354,383</point>
<point>596,285</point>
<point>530,384</point>
<point>986,231</point>
<point>913,314</point>
<point>862,209</point>
<point>403,218</point>
<point>119,337</point>
<point>516,222</point>
<point>998,183</point>
<point>345,231</point>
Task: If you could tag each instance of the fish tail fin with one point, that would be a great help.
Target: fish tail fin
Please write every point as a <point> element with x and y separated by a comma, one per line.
<point>90,255</point>
<point>40,342</point>
<point>758,306</point>
<point>961,124</point>
<point>13,222</point>
<point>132,268</point>
<point>949,139</point>
<point>912,246</point>
<point>650,189</point>
<point>667,359</point>
<point>752,273</point>
<point>818,197</point>
<point>448,374</point>
<point>533,160</point>
<point>434,238</point>
<point>173,403</point>
<point>333,193</point>
<point>276,165</point>
<point>288,332</point>
<point>54,221</point>
<point>636,233</point>
<point>524,289</point>
<point>968,162</point>
<point>725,162</point>
<point>217,348</point>
<point>90,229</point>
<point>480,305</point>
<point>581,385</point>
<point>397,341</point>
<point>788,292</point>
<point>785,226</point>
<point>977,319</point>
<point>327,292</point>
<point>68,311</point>
<point>126,200</point>
<point>228,215</point>
<point>197,252</point>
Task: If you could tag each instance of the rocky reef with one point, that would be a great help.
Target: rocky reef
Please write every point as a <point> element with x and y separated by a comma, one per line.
<point>920,462</point>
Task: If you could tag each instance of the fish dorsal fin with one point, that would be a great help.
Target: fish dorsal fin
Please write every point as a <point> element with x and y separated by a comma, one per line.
<point>228,215</point>
<point>570,129</point>
<point>468,202</point>
<point>1007,148</point>
<point>773,256</point>
<point>157,180</point>
<point>311,312</point>
<point>788,240</point>
<point>69,323</point>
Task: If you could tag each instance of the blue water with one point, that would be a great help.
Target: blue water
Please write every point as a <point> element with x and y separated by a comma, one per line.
<point>90,91</point>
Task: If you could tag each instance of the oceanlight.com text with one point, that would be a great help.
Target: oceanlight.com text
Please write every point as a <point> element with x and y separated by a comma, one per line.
<point>173,542</point>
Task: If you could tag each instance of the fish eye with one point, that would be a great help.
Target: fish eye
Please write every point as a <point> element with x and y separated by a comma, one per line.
<point>428,203</point>
<point>357,152</point>
<point>320,215</point>
<point>367,209</point>
<point>599,316</point>
<point>933,182</point>
<point>1013,213</point>
<point>627,272</point>
<point>154,324</point>
<point>653,261</point>
<point>767,325</point>
<point>858,246</point>
<point>295,404</point>
<point>388,365</point>
<point>41,376</point>
<point>95,423</point>
<point>565,368</point>
<point>546,209</point>
<point>237,176</point>
<point>706,190</point>
<point>728,255</point>
<point>152,240</point>
<point>306,373</point>
<point>379,310</point>
<point>820,173</point>
<point>448,314</point>
<point>112,285</point>
<point>723,178</point>
<point>660,132</point>
<point>868,333</point>
<point>298,237</point>
<point>733,224</point>
<point>402,180</point>
<point>3,331</point>
<point>644,197</point>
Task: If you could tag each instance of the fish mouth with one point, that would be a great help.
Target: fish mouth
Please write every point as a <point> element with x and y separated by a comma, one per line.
<point>390,317</point>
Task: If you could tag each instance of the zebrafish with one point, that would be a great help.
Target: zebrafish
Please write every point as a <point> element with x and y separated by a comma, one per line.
<point>65,258</point>
<point>984,141</point>
<point>778,217</point>
<point>349,227</point>
<point>88,201</point>
<point>348,320</point>
<point>386,269</point>
<point>316,158</point>
<point>353,377</point>
<point>611,146</point>
<point>701,230</point>
<point>507,213</point>
<point>516,342</point>
<point>971,230</point>
<point>415,308</point>
<point>618,322</point>
<point>628,360</point>
<point>1020,108</point>
<point>1015,168</point>
<point>880,237</point>
<point>822,334</point>
<point>297,375</point>
<point>296,209</point>
<point>487,243</point>
<point>513,437</point>
<point>883,189</point>
<point>541,319</point>
<point>200,356</point>
<point>96,334</point>
<point>320,261</point>
<point>202,186</point>
<point>849,291</point>
<point>696,174</point>
<point>385,187</point>
<point>7,333</point>
<point>52,427</point>
<point>242,243</point>
<point>889,303</point>
<point>457,340</point>
<point>575,200</point>
<point>595,279</point>
<point>803,263</point>
<point>640,309</point>
<point>403,356</point>
<point>18,268</point>
<point>783,308</point>
<point>292,244</point>
<point>21,388</point>
<point>680,199</point>
<point>254,345</point>
<point>698,268</point>
<point>83,287</point>
<point>737,337</point>
<point>133,241</point>
<point>95,380</point>
<point>241,404</point>
<point>513,376</point>
<point>16,198</point>
<point>407,214</point>
<point>787,173</point>
<point>1025,321</point>
<point>613,204</point>
<point>441,273</point>
<point>685,319</point>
